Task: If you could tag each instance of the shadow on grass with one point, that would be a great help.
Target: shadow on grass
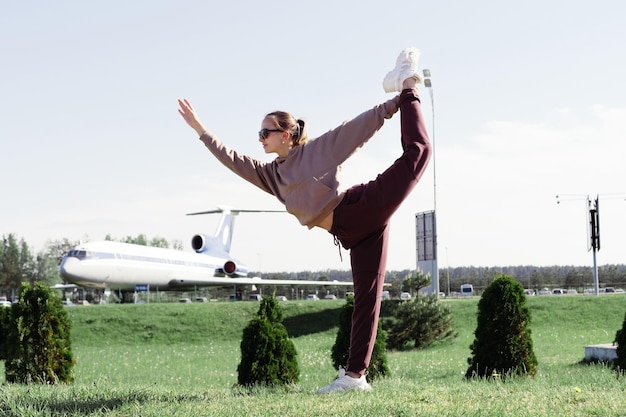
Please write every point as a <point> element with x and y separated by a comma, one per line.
<point>309,323</point>
<point>94,405</point>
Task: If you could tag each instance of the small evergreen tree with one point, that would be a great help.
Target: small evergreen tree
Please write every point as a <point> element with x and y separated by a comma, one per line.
<point>5,326</point>
<point>268,356</point>
<point>38,348</point>
<point>620,339</point>
<point>416,281</point>
<point>503,346</point>
<point>340,351</point>
<point>420,322</point>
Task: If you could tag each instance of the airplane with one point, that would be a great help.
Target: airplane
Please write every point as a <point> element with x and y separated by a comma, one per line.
<point>124,267</point>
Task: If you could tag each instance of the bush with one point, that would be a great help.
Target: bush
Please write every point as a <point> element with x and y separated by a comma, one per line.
<point>268,357</point>
<point>5,327</point>
<point>341,349</point>
<point>419,323</point>
<point>620,339</point>
<point>502,346</point>
<point>38,346</point>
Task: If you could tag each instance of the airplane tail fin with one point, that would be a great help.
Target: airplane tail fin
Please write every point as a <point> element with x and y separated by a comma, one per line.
<point>226,225</point>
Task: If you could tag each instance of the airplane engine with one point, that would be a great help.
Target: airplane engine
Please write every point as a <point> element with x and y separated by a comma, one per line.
<point>200,243</point>
<point>230,267</point>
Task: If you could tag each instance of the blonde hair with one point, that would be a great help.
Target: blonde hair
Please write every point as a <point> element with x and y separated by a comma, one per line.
<point>287,123</point>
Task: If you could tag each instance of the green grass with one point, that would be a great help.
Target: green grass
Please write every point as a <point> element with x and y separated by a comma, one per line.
<point>181,360</point>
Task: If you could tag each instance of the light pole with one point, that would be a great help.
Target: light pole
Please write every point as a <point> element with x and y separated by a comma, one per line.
<point>435,271</point>
<point>429,85</point>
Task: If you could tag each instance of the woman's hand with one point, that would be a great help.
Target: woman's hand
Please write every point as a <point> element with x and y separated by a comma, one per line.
<point>189,114</point>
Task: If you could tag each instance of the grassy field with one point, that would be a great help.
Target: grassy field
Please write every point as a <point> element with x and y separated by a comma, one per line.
<point>181,360</point>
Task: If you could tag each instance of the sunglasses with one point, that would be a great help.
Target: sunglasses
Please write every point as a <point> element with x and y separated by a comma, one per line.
<point>264,133</point>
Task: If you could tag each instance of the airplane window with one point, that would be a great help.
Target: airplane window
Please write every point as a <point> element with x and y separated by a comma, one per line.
<point>103,255</point>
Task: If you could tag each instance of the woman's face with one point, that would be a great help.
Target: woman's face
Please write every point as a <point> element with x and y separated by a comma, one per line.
<point>273,139</point>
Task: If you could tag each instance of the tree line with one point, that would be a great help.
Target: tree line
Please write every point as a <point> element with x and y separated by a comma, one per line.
<point>531,277</point>
<point>18,264</point>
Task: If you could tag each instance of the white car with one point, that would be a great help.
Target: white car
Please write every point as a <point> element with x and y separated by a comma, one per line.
<point>405,296</point>
<point>312,297</point>
<point>5,303</point>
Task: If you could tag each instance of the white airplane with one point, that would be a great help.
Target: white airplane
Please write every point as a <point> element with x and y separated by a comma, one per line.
<point>124,266</point>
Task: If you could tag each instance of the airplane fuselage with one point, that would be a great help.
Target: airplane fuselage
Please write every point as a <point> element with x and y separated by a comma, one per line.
<point>122,266</point>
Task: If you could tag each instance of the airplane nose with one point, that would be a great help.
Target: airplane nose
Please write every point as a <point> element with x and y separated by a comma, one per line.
<point>70,268</point>
<point>63,268</point>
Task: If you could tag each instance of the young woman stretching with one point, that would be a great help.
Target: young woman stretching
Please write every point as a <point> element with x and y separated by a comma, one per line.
<point>304,178</point>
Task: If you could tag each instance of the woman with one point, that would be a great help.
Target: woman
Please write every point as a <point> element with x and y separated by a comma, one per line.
<point>304,177</point>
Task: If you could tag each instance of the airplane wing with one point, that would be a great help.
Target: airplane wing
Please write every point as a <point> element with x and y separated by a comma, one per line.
<point>64,286</point>
<point>215,281</point>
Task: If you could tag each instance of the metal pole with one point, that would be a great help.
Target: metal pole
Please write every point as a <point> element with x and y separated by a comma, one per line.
<point>435,269</point>
<point>596,283</point>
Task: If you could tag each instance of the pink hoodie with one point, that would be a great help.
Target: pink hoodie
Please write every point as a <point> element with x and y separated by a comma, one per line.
<point>306,180</point>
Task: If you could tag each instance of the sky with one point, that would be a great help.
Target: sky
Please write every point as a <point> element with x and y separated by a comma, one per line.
<point>527,103</point>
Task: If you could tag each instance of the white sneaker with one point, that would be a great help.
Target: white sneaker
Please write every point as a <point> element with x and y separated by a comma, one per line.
<point>406,67</point>
<point>346,383</point>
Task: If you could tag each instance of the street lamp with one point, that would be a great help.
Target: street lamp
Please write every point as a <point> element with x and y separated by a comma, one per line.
<point>429,85</point>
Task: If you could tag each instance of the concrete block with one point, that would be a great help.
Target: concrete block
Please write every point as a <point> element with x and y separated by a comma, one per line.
<point>605,352</point>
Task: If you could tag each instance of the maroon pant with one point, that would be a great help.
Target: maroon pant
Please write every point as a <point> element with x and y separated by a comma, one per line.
<point>361,224</point>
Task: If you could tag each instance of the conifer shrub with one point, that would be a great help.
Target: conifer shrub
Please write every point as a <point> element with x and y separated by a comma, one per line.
<point>420,322</point>
<point>619,363</point>
<point>38,346</point>
<point>378,367</point>
<point>268,356</point>
<point>5,326</point>
<point>503,345</point>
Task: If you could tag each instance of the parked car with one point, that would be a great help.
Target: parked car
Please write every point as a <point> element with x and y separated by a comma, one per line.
<point>330,297</point>
<point>312,297</point>
<point>281,298</point>
<point>467,290</point>
<point>405,296</point>
<point>184,300</point>
<point>558,291</point>
<point>255,297</point>
<point>529,292</point>
<point>5,303</point>
<point>201,300</point>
